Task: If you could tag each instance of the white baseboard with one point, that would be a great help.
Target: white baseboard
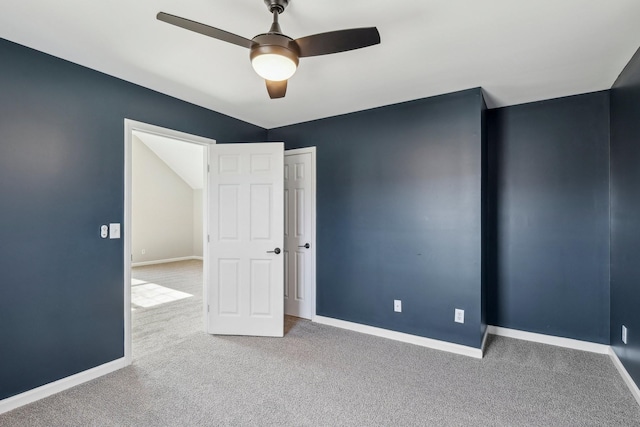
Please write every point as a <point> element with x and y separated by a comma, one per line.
<point>164,261</point>
<point>46,390</point>
<point>625,375</point>
<point>549,339</point>
<point>400,336</point>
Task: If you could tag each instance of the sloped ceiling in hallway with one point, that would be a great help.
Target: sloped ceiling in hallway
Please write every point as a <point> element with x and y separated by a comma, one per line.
<point>185,159</point>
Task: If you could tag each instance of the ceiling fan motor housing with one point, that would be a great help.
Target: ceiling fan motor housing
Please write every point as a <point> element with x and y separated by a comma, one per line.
<point>277,44</point>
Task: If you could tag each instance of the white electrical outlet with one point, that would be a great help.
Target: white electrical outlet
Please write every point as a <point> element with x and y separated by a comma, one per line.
<point>397,306</point>
<point>104,231</point>
<point>144,251</point>
<point>624,334</point>
<point>459,316</point>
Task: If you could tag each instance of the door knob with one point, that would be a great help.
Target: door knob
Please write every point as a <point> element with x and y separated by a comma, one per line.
<point>275,251</point>
<point>306,245</point>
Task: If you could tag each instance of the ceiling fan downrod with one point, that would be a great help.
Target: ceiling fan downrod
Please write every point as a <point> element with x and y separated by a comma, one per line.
<point>276,7</point>
<point>275,27</point>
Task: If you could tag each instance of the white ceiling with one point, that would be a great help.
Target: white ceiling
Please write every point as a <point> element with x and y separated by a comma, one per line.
<point>186,159</point>
<point>517,50</point>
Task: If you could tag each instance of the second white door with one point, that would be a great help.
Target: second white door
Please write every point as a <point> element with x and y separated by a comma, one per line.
<point>299,243</point>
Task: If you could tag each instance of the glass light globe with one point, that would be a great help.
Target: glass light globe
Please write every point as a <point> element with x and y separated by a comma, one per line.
<point>273,67</point>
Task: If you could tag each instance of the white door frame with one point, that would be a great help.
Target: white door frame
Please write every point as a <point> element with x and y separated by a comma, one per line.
<point>312,151</point>
<point>129,127</point>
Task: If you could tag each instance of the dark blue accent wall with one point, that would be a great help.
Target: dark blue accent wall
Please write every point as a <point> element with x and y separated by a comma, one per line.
<point>548,241</point>
<point>399,214</point>
<point>625,216</point>
<point>61,176</point>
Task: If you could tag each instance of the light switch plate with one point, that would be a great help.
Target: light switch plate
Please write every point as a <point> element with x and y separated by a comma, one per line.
<point>114,230</point>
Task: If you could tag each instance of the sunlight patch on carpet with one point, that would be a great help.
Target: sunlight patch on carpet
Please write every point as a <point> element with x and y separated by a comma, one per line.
<point>151,294</point>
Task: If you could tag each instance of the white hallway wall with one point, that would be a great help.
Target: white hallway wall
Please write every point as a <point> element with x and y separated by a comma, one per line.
<point>166,211</point>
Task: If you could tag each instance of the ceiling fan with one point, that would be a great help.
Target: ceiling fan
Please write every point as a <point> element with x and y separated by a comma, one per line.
<point>274,56</point>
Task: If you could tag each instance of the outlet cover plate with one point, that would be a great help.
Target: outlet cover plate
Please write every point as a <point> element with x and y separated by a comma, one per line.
<point>459,316</point>
<point>397,306</point>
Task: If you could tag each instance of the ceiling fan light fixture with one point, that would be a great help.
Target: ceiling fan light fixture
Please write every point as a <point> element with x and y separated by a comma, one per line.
<point>274,55</point>
<point>273,62</point>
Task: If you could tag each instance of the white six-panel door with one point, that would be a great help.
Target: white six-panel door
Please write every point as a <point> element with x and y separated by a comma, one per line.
<point>246,272</point>
<point>299,249</point>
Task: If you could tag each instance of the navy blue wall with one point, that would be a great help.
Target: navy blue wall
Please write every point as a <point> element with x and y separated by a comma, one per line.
<point>399,214</point>
<point>625,216</point>
<point>549,203</point>
<point>61,176</point>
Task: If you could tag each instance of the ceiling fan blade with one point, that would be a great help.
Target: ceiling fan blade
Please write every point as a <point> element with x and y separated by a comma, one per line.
<point>337,41</point>
<point>276,89</point>
<point>204,29</point>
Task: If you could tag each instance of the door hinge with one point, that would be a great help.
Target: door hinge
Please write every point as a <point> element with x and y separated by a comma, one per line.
<point>207,308</point>
<point>208,168</point>
<point>208,238</point>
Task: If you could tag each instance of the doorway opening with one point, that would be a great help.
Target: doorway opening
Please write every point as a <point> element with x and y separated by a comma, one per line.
<point>165,245</point>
